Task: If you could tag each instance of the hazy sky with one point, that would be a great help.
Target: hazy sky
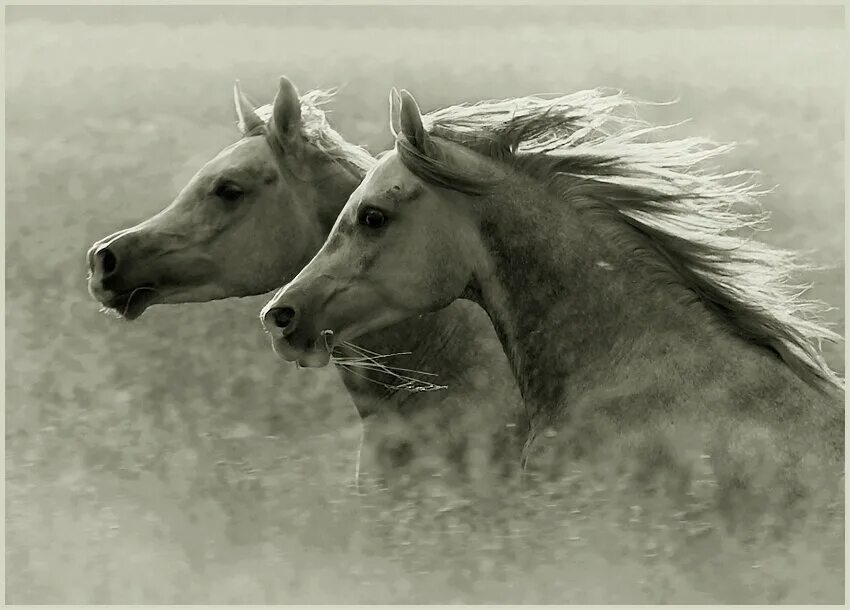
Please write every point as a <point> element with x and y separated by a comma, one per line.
<point>446,17</point>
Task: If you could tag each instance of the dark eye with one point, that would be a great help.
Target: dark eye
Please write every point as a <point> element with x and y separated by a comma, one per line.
<point>228,191</point>
<point>373,218</point>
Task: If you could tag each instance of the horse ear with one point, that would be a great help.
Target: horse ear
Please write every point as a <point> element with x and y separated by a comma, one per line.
<point>395,109</point>
<point>287,111</point>
<point>247,118</point>
<point>410,119</point>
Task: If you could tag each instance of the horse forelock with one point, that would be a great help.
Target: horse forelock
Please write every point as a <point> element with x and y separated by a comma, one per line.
<point>662,189</point>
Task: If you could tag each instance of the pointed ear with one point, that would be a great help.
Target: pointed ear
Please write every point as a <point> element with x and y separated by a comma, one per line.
<point>247,118</point>
<point>410,120</point>
<point>287,112</point>
<point>395,109</point>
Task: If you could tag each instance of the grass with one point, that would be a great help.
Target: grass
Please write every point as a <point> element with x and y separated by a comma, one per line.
<point>176,460</point>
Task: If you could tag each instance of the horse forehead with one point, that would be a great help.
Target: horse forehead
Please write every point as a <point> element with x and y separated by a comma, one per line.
<point>244,153</point>
<point>389,172</point>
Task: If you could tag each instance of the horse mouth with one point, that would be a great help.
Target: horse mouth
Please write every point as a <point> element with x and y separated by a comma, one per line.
<point>131,304</point>
<point>314,356</point>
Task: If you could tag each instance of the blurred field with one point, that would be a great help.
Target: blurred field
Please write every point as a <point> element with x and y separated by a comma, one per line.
<point>175,460</point>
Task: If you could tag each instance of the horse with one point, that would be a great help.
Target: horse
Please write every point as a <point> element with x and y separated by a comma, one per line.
<point>645,333</point>
<point>279,189</point>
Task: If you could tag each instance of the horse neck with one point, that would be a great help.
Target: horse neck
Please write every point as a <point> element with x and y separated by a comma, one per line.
<point>565,301</point>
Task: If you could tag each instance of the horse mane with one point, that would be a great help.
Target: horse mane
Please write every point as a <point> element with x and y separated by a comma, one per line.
<point>318,131</point>
<point>584,143</point>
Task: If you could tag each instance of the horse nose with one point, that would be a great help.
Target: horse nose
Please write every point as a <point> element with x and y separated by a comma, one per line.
<point>283,318</point>
<point>103,262</point>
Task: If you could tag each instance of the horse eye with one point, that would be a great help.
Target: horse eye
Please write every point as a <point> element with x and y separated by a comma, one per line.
<point>228,191</point>
<point>373,218</point>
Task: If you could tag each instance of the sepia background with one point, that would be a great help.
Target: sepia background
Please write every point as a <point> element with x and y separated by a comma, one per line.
<point>176,460</point>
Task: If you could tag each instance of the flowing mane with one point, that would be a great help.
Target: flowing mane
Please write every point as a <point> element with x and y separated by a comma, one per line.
<point>319,132</point>
<point>690,216</point>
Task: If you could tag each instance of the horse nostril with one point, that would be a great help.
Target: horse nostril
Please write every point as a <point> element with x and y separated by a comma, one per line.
<point>105,261</point>
<point>282,317</point>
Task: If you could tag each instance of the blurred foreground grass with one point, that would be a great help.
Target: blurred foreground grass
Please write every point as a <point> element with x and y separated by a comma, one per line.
<point>175,460</point>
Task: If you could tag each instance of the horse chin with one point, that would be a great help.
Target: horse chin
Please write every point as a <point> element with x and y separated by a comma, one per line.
<point>315,358</point>
<point>133,304</point>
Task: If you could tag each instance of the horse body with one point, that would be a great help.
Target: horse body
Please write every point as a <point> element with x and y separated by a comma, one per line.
<point>644,334</point>
<point>280,189</point>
